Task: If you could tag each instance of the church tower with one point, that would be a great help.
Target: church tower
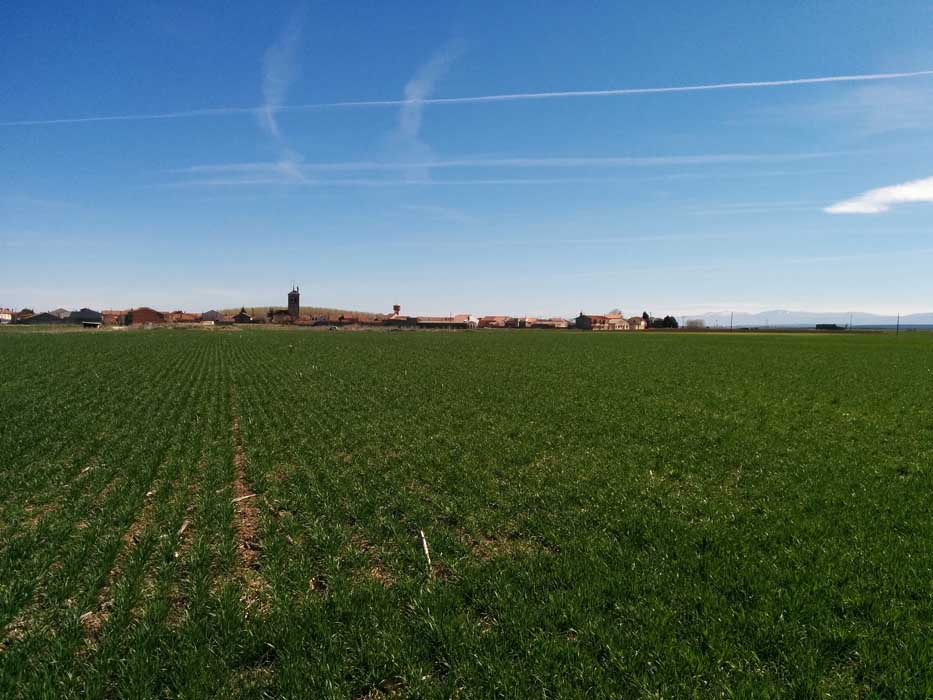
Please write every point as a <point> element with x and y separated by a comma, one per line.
<point>293,305</point>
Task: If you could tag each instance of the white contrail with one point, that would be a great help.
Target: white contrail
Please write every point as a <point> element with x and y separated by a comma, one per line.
<point>560,162</point>
<point>207,112</point>
<point>216,111</point>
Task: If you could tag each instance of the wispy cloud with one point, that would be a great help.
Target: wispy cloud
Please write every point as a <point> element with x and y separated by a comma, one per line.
<point>889,107</point>
<point>376,182</point>
<point>272,173</point>
<point>523,162</point>
<point>407,139</point>
<point>868,109</point>
<point>421,86</point>
<point>883,198</point>
<point>563,242</point>
<point>279,70</point>
<point>506,97</point>
<point>754,207</point>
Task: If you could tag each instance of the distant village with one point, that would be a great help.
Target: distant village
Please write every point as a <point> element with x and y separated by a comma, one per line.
<point>291,315</point>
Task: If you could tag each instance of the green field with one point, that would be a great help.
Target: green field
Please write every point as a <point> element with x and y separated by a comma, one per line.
<point>617,515</point>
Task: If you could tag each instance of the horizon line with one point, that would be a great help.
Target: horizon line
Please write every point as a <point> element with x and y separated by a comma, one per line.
<point>501,97</point>
<point>677,312</point>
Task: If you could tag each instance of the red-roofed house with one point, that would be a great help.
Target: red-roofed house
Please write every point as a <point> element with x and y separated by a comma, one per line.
<point>144,315</point>
<point>498,322</point>
<point>113,317</point>
<point>592,322</point>
<point>182,317</point>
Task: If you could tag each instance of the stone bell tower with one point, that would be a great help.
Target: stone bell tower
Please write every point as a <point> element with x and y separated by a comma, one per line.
<point>293,305</point>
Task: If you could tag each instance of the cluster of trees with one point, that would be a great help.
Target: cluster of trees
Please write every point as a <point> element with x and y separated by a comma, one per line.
<point>654,322</point>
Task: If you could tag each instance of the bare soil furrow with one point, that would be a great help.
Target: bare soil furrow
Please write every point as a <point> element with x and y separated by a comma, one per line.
<point>245,522</point>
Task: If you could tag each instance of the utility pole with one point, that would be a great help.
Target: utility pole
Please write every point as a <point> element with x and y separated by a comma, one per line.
<point>731,317</point>
<point>898,330</point>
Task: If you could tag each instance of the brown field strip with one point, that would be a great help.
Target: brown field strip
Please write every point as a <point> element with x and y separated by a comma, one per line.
<point>245,523</point>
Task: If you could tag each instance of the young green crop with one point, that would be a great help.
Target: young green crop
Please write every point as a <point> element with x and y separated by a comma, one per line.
<point>238,514</point>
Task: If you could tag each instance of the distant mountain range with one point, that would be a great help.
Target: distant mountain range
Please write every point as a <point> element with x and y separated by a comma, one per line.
<point>782,317</point>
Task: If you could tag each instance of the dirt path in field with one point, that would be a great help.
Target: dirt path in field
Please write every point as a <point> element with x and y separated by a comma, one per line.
<point>245,520</point>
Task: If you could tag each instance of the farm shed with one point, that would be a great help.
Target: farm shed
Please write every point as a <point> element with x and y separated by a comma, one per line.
<point>397,320</point>
<point>550,323</point>
<point>40,319</point>
<point>85,316</point>
<point>443,322</point>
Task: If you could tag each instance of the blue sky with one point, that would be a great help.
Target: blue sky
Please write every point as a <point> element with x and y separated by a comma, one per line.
<point>219,161</point>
